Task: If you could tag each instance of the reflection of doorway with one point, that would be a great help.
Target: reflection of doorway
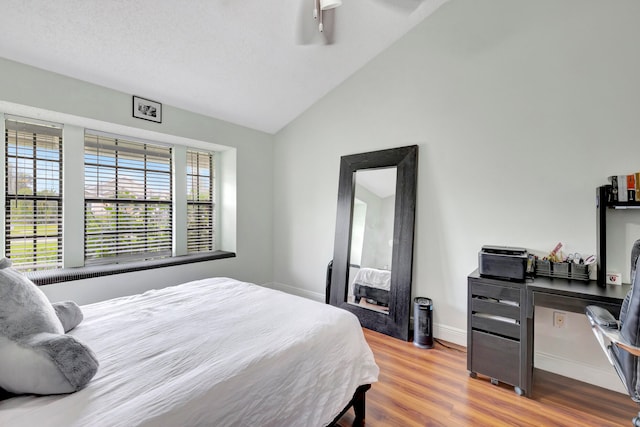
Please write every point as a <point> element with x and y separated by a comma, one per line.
<point>357,238</point>
<point>357,231</point>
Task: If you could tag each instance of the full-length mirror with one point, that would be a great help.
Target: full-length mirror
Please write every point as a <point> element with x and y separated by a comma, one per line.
<point>372,238</point>
<point>373,251</point>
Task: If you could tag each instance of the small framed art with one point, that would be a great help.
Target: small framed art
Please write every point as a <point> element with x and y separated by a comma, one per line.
<point>147,110</point>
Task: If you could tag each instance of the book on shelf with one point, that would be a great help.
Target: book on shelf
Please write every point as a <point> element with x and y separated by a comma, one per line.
<point>613,180</point>
<point>623,196</point>
<point>623,188</point>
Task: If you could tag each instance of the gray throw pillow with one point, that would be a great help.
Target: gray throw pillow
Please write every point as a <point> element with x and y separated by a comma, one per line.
<point>36,357</point>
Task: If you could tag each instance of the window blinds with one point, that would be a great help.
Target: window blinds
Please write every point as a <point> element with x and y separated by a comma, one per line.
<point>128,206</point>
<point>200,202</point>
<point>33,188</point>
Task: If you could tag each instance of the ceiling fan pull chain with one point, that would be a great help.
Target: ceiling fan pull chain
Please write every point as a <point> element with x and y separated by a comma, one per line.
<point>320,27</point>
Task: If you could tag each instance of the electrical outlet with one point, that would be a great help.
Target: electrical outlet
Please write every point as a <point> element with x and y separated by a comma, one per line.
<point>559,319</point>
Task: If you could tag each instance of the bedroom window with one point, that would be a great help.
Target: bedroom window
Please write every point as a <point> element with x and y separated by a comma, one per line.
<point>128,204</point>
<point>200,202</point>
<point>33,195</point>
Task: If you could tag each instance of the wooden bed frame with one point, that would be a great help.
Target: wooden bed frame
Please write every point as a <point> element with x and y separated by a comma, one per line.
<point>358,403</point>
<point>381,296</point>
<point>5,395</point>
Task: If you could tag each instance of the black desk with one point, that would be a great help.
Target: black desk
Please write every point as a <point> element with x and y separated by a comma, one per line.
<point>566,295</point>
<point>573,295</point>
<point>504,350</point>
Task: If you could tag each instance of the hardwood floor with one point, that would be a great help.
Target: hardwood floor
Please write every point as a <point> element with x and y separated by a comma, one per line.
<point>432,387</point>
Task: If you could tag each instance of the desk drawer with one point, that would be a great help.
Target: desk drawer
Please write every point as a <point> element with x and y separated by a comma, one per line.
<point>495,325</point>
<point>496,357</point>
<point>496,309</point>
<point>506,309</point>
<point>503,293</point>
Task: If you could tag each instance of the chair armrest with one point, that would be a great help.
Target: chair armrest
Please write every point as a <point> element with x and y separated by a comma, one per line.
<point>601,317</point>
<point>604,325</point>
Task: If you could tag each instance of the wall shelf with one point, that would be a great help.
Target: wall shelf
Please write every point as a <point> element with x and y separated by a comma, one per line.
<point>602,205</point>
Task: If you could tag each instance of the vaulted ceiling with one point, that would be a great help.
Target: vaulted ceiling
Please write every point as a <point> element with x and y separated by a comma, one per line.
<point>256,63</point>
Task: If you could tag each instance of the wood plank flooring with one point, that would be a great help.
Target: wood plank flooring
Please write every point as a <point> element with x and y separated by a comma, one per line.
<point>432,387</point>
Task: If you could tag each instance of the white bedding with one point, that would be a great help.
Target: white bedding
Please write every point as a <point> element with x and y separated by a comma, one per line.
<point>374,278</point>
<point>215,352</point>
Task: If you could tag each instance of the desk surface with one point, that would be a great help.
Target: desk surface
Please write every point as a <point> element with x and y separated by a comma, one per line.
<point>577,289</point>
<point>613,294</point>
<point>573,296</point>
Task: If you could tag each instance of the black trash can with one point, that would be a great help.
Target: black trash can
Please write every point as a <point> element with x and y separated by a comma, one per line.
<point>423,322</point>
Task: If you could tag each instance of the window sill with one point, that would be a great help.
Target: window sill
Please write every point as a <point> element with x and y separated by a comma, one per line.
<point>48,277</point>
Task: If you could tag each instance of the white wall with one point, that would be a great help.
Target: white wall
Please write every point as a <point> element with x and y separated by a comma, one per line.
<point>520,109</point>
<point>246,191</point>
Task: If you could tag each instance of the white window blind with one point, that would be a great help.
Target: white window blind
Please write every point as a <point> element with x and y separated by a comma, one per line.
<point>128,206</point>
<point>33,208</point>
<point>200,202</point>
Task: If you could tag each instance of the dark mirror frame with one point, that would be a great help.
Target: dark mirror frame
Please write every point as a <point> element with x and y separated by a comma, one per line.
<point>396,323</point>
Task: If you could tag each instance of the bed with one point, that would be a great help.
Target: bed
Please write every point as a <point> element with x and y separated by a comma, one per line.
<point>373,285</point>
<point>214,352</point>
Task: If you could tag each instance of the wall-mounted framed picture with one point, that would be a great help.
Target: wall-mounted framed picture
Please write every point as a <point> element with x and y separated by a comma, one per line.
<point>147,110</point>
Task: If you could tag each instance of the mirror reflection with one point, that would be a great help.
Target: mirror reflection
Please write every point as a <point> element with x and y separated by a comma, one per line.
<point>372,238</point>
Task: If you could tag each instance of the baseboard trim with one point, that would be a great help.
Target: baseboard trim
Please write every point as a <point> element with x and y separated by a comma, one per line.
<point>316,296</point>
<point>449,334</point>
<point>605,378</point>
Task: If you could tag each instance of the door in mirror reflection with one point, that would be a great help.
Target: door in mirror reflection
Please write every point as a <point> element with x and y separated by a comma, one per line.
<point>372,238</point>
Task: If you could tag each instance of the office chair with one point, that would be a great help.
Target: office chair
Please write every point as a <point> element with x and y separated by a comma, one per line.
<point>620,339</point>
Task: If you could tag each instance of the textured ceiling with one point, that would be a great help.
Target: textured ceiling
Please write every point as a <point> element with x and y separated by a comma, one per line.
<point>256,63</point>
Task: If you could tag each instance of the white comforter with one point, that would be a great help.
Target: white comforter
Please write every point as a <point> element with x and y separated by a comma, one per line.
<point>374,278</point>
<point>214,352</point>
